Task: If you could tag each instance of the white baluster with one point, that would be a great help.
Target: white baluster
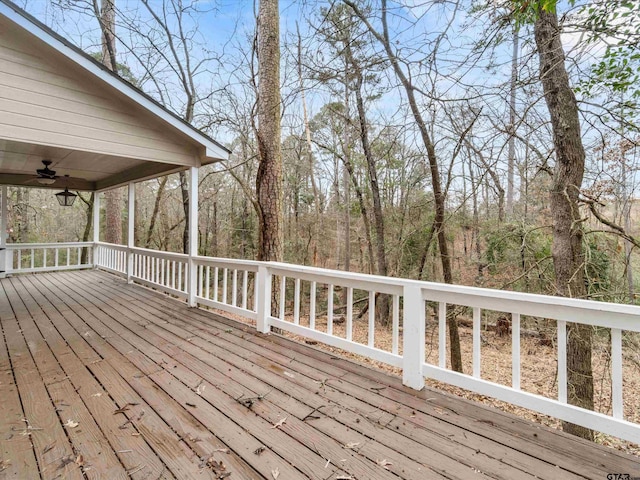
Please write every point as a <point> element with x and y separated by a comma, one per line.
<point>515,350</point>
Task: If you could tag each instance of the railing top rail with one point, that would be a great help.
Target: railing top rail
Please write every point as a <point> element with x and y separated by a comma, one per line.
<point>388,285</point>
<point>23,246</point>
<point>603,314</point>
<point>250,265</point>
<point>159,253</point>
<point>115,246</point>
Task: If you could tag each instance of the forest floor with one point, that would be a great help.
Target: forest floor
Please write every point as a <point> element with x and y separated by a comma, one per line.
<point>538,370</point>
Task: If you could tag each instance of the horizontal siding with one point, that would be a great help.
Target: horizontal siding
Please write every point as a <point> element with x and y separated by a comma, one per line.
<point>54,102</point>
<point>57,83</point>
<point>44,87</point>
<point>84,117</point>
<point>22,128</point>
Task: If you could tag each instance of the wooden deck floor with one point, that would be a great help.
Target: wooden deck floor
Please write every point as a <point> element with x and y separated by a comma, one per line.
<point>100,379</point>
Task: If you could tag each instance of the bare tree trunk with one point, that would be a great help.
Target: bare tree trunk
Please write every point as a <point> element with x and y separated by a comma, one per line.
<point>382,303</point>
<point>214,229</point>
<point>347,220</point>
<point>363,210</point>
<point>113,197</point>
<point>317,223</point>
<point>184,191</point>
<point>84,256</point>
<point>439,195</point>
<point>476,222</point>
<point>512,123</point>
<point>627,202</point>
<point>156,210</point>
<point>568,254</point>
<point>113,212</point>
<point>495,178</point>
<point>107,19</point>
<point>22,215</point>
<point>269,177</point>
<point>425,251</point>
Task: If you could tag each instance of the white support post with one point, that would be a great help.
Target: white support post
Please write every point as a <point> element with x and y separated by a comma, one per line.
<point>413,337</point>
<point>264,283</point>
<point>193,234</point>
<point>131,231</point>
<point>6,258</point>
<point>96,230</point>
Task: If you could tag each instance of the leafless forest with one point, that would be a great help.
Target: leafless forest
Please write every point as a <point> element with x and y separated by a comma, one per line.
<point>358,159</point>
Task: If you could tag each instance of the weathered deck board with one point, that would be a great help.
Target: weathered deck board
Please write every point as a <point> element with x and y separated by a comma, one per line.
<point>41,423</point>
<point>422,409</point>
<point>124,380</point>
<point>126,357</point>
<point>202,363</point>
<point>16,451</point>
<point>131,451</point>
<point>339,415</point>
<point>89,332</point>
<point>223,407</point>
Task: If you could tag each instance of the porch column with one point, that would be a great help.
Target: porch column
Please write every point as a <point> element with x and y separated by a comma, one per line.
<point>5,257</point>
<point>131,232</point>
<point>193,234</point>
<point>96,229</point>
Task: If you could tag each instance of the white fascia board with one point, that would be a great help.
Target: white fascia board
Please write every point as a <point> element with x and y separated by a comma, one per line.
<point>213,150</point>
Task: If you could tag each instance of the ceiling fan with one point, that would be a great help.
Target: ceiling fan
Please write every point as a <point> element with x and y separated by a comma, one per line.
<point>46,176</point>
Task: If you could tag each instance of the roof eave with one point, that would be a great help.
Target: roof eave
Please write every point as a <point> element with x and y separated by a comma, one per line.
<point>213,150</point>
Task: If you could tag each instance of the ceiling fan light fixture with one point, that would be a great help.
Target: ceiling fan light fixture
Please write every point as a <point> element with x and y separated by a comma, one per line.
<point>46,181</point>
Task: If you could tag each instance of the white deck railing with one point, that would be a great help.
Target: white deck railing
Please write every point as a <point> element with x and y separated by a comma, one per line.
<point>47,257</point>
<point>321,305</point>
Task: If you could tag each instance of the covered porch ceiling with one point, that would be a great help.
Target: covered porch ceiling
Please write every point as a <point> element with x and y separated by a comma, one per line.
<point>58,104</point>
<point>87,171</point>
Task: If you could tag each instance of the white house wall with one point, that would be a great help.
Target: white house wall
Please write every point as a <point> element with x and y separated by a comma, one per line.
<point>46,99</point>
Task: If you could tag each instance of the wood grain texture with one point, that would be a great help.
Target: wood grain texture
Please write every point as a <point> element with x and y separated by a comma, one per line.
<point>16,450</point>
<point>50,442</point>
<point>190,370</point>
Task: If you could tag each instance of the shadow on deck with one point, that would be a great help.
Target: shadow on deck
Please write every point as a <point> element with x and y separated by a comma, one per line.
<point>101,379</point>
